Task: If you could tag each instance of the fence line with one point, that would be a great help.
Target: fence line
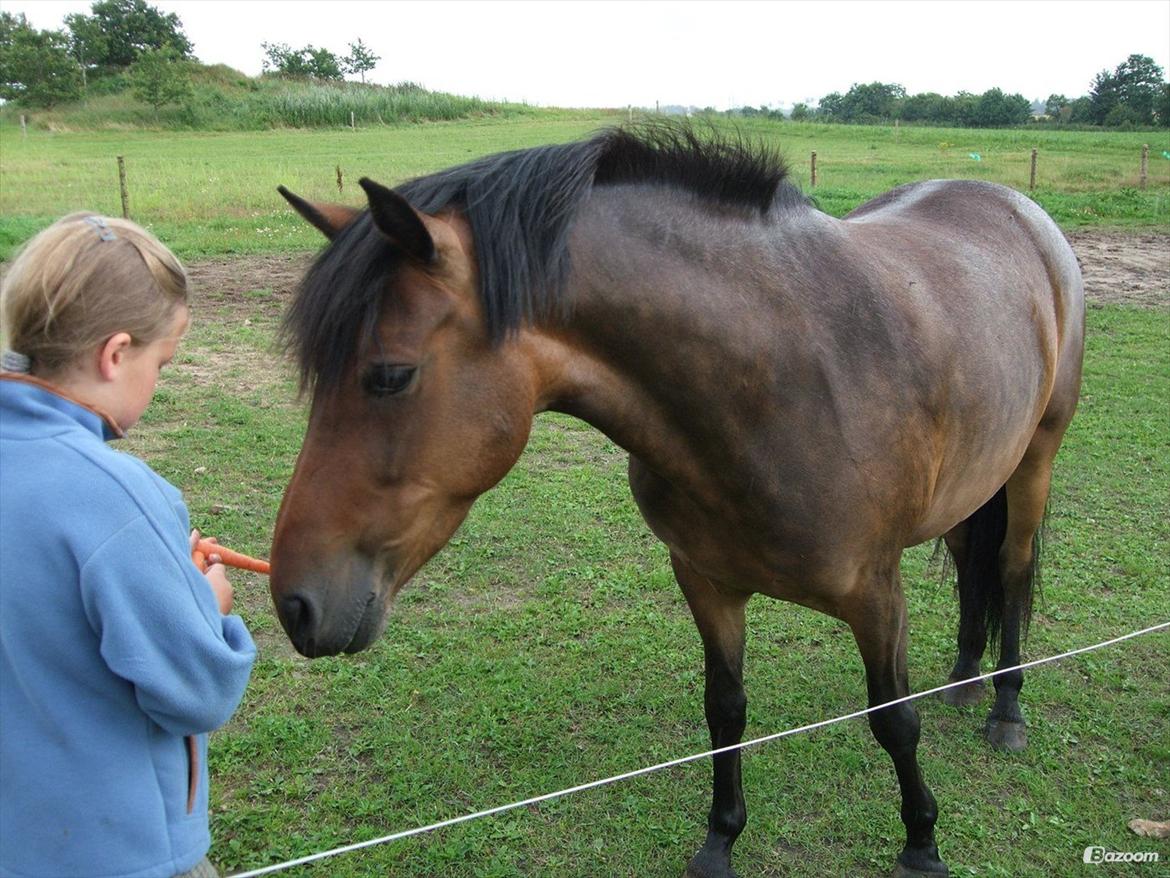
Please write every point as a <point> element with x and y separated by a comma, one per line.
<point>629,775</point>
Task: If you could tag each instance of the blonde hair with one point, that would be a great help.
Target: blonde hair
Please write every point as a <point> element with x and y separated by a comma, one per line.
<point>82,280</point>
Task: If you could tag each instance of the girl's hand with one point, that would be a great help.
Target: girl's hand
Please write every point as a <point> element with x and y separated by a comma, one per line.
<point>216,575</point>
<point>217,578</point>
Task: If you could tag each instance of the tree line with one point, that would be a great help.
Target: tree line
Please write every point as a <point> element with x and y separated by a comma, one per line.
<point>130,43</point>
<point>1133,94</point>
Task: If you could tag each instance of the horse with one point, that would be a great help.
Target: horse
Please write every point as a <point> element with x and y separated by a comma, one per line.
<point>801,397</point>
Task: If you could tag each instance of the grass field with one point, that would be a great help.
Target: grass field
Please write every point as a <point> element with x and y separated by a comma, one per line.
<point>547,645</point>
<point>215,193</point>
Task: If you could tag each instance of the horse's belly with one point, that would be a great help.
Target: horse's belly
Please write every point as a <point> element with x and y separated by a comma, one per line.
<point>791,564</point>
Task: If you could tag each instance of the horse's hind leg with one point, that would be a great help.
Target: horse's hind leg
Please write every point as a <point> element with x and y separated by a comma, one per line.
<point>1026,494</point>
<point>972,621</point>
<point>720,619</point>
<point>878,620</point>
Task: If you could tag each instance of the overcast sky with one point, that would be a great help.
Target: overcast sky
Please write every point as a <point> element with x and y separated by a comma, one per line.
<point>610,53</point>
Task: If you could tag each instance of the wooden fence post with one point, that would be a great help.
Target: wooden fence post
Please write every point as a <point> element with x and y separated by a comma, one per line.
<point>122,187</point>
<point>23,126</point>
<point>1032,177</point>
<point>1145,165</point>
<point>340,184</point>
<point>814,169</point>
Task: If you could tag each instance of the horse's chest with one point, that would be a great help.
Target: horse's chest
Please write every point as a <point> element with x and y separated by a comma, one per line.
<point>774,554</point>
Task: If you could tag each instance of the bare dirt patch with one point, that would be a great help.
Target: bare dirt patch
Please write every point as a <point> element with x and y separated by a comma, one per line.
<point>248,281</point>
<point>1124,267</point>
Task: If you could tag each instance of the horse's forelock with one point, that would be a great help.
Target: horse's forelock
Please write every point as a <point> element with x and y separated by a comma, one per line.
<point>339,297</point>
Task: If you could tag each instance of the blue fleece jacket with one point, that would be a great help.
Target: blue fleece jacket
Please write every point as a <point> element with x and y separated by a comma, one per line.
<point>112,653</point>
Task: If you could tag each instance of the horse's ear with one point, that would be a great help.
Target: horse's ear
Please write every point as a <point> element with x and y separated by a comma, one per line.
<point>330,219</point>
<point>398,221</point>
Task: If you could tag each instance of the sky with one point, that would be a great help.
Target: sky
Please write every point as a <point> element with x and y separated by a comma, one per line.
<point>615,53</point>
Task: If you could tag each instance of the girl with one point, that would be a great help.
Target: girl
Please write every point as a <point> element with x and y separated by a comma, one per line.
<point>117,655</point>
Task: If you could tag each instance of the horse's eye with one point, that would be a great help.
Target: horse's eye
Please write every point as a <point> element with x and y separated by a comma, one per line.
<point>386,379</point>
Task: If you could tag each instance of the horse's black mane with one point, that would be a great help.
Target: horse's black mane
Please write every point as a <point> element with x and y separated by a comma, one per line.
<point>520,206</point>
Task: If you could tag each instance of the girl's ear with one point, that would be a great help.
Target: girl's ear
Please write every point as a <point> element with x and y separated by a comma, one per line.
<point>112,353</point>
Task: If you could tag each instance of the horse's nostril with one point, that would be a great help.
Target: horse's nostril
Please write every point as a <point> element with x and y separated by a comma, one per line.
<point>300,618</point>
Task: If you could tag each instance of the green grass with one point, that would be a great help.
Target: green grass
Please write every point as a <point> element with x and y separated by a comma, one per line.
<point>215,193</point>
<point>547,645</point>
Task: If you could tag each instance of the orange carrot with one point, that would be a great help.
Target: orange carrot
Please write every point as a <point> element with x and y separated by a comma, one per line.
<point>205,548</point>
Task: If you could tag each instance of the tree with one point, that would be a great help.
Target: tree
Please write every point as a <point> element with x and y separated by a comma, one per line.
<point>830,107</point>
<point>323,64</point>
<point>307,62</point>
<point>119,31</point>
<point>994,109</point>
<point>927,107</point>
<point>160,77</point>
<point>801,113</point>
<point>36,68</point>
<point>1162,108</point>
<point>1103,96</point>
<point>360,59</point>
<point>1055,105</point>
<point>282,59</point>
<point>87,44</point>
<point>874,102</point>
<point>1081,111</point>
<point>966,109</point>
<point>1127,95</point>
<point>1139,83</point>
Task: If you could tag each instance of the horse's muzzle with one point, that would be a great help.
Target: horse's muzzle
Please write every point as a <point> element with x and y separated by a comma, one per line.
<point>330,617</point>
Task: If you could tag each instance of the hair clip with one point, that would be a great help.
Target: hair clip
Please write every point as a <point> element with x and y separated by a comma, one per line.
<point>11,361</point>
<point>103,230</point>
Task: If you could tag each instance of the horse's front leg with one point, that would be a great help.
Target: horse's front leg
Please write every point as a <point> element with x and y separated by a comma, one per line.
<point>720,619</point>
<point>878,620</point>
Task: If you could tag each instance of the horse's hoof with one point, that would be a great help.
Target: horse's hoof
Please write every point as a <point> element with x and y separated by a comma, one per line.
<point>965,695</point>
<point>691,873</point>
<point>1006,735</point>
<point>920,862</point>
<point>705,865</point>
<point>901,871</point>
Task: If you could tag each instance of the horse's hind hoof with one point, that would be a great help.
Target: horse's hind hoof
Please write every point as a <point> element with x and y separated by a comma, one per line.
<point>1006,735</point>
<point>965,695</point>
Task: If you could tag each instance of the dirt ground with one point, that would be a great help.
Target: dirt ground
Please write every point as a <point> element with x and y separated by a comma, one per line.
<point>1120,267</point>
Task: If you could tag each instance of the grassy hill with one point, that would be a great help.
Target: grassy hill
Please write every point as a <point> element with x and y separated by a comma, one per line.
<point>223,99</point>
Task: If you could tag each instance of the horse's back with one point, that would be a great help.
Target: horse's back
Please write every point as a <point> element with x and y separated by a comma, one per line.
<point>974,213</point>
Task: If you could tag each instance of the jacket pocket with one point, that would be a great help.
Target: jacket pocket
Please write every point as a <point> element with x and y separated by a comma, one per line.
<point>192,771</point>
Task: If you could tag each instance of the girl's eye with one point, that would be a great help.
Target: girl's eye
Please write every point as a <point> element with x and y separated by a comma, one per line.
<point>386,379</point>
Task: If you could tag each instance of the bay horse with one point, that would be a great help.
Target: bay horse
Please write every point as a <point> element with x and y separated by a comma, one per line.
<point>801,397</point>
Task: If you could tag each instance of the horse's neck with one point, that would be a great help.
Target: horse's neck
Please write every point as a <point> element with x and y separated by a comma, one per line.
<point>655,344</point>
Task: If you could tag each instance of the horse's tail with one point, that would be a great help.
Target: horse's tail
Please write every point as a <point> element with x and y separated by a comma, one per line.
<point>981,582</point>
